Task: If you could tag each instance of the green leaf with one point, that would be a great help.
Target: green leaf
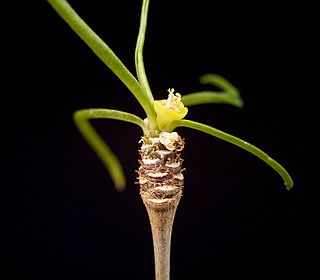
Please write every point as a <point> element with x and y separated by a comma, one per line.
<point>206,97</point>
<point>228,95</point>
<point>102,150</point>
<point>142,76</point>
<point>219,82</point>
<point>238,142</point>
<point>102,50</point>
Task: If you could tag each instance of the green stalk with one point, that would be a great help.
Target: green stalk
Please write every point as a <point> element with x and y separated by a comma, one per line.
<point>100,48</point>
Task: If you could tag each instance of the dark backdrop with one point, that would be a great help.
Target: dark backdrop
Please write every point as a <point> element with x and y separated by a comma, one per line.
<point>236,219</point>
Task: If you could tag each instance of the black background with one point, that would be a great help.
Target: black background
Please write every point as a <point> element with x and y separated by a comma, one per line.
<point>236,219</point>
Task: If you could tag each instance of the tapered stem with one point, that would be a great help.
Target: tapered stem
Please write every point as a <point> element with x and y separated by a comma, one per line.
<point>161,220</point>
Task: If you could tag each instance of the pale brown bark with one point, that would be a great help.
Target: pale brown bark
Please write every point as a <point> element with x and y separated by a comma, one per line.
<point>161,220</point>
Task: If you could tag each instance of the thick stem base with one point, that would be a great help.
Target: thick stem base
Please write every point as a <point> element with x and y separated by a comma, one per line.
<point>161,184</point>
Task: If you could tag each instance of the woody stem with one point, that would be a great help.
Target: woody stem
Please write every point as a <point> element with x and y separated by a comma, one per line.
<point>161,184</point>
<point>161,220</point>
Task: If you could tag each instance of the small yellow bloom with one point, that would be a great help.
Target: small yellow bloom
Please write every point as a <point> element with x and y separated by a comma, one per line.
<point>169,110</point>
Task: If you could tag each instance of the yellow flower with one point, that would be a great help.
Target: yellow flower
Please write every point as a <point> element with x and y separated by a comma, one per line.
<point>169,110</point>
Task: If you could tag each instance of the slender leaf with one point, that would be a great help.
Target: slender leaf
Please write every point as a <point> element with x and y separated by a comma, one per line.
<point>101,49</point>
<point>206,97</point>
<point>219,82</point>
<point>142,76</point>
<point>228,95</point>
<point>102,150</point>
<point>238,142</point>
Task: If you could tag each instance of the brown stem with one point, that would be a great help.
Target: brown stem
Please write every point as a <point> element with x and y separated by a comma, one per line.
<point>161,219</point>
<point>161,184</point>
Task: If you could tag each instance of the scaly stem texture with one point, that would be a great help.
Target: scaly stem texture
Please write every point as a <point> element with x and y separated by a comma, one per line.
<point>161,183</point>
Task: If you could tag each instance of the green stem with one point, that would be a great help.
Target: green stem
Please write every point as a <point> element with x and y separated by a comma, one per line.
<point>142,77</point>
<point>238,142</point>
<point>102,150</point>
<point>105,54</point>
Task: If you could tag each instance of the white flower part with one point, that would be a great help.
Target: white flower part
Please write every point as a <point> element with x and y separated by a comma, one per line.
<point>169,140</point>
<point>173,100</point>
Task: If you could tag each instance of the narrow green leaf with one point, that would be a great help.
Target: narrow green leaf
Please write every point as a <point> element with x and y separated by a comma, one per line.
<point>219,82</point>
<point>101,49</point>
<point>102,150</point>
<point>206,97</point>
<point>228,95</point>
<point>141,73</point>
<point>238,142</point>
